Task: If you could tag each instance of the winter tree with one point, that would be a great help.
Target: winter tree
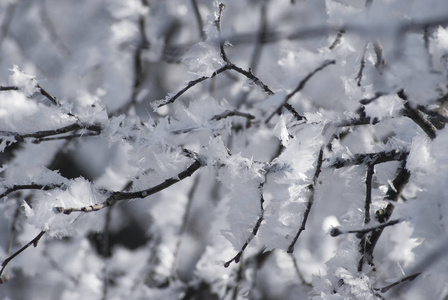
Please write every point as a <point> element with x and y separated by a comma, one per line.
<point>174,149</point>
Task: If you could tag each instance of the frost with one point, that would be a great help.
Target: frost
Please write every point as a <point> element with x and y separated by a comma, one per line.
<point>78,194</point>
<point>203,59</point>
<point>26,83</point>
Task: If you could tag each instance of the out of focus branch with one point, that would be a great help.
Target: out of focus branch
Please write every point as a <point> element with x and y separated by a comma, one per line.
<point>32,186</point>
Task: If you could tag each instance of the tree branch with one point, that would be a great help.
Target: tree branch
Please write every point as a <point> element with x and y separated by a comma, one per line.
<point>237,257</point>
<point>311,188</point>
<point>417,116</point>
<point>299,87</point>
<point>33,242</point>
<point>32,186</point>
<point>370,158</point>
<point>119,196</point>
<point>40,135</point>
<point>361,232</point>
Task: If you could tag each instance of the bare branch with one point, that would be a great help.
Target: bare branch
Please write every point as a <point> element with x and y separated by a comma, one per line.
<point>231,113</point>
<point>299,87</point>
<point>119,196</point>
<point>32,186</point>
<point>33,242</point>
<point>404,279</point>
<point>311,188</point>
<point>417,116</point>
<point>237,257</point>
<point>362,66</point>
<point>368,202</point>
<point>9,88</point>
<point>361,232</point>
<point>38,135</point>
<point>191,84</point>
<point>370,158</point>
<point>198,17</point>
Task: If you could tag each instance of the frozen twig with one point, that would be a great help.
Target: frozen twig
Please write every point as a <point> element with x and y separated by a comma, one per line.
<point>417,116</point>
<point>231,113</point>
<point>189,85</point>
<point>368,243</point>
<point>33,242</point>
<point>120,196</point>
<point>311,188</point>
<point>362,66</point>
<point>38,135</point>
<point>337,40</point>
<point>368,201</point>
<point>299,87</point>
<point>31,186</point>
<point>237,257</point>
<point>361,232</point>
<point>404,279</point>
<point>371,158</point>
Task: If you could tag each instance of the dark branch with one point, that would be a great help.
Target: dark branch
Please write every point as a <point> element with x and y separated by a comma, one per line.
<point>370,158</point>
<point>198,17</point>
<point>368,202</point>
<point>33,242</point>
<point>361,232</point>
<point>32,186</point>
<point>52,132</point>
<point>362,66</point>
<point>237,257</point>
<point>9,88</point>
<point>367,244</point>
<point>191,84</point>
<point>311,188</point>
<point>231,113</point>
<point>119,196</point>
<point>417,116</point>
<point>404,279</point>
<point>252,77</point>
<point>299,87</point>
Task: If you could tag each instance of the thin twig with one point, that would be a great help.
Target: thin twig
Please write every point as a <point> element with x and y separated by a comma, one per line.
<point>32,186</point>
<point>119,196</point>
<point>46,133</point>
<point>362,65</point>
<point>231,113</point>
<point>298,272</point>
<point>184,226</point>
<point>337,40</point>
<point>417,116</point>
<point>198,17</point>
<point>189,85</point>
<point>311,188</point>
<point>33,242</point>
<point>404,279</point>
<point>9,88</point>
<point>368,202</point>
<point>299,87</point>
<point>371,158</point>
<point>361,232</point>
<point>237,257</point>
<point>368,243</point>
